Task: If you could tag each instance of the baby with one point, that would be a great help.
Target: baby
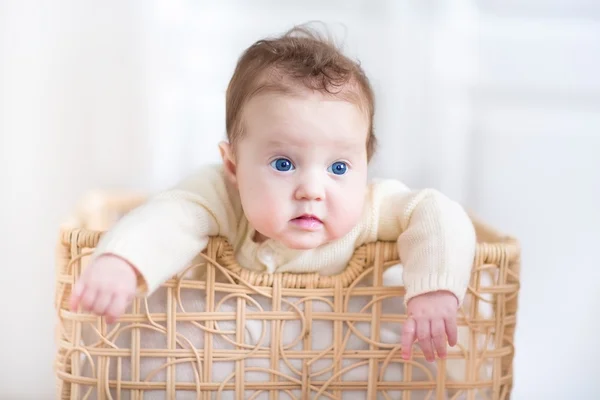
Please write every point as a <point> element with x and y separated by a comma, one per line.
<point>292,195</point>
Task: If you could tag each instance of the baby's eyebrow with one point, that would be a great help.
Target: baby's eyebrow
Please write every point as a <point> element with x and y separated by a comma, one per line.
<point>278,142</point>
<point>338,144</point>
<point>280,145</point>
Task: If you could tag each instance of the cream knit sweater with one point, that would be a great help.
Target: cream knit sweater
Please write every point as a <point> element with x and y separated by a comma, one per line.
<point>436,239</point>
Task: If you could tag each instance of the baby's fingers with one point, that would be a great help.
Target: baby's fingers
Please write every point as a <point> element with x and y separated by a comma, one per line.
<point>88,298</point>
<point>451,330</point>
<point>102,302</point>
<point>424,337</point>
<point>438,335</point>
<point>408,337</point>
<point>76,294</point>
<point>116,308</point>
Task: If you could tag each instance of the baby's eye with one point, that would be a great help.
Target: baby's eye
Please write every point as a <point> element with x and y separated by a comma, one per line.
<point>338,168</point>
<point>282,164</point>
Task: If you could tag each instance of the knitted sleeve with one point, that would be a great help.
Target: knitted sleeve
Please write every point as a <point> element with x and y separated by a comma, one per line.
<point>162,236</point>
<point>435,236</point>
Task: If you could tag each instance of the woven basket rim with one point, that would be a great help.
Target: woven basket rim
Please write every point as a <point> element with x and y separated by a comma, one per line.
<point>493,246</point>
<point>504,247</point>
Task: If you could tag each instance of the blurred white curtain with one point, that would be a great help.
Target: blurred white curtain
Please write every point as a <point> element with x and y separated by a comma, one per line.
<point>72,118</point>
<point>495,103</point>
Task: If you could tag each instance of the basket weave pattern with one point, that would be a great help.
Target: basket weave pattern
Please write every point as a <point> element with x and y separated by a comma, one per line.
<point>218,331</point>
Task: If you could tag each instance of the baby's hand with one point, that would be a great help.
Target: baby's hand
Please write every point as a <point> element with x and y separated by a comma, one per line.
<point>106,287</point>
<point>431,317</point>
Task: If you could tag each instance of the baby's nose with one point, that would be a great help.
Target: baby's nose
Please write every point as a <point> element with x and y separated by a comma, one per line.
<point>310,189</point>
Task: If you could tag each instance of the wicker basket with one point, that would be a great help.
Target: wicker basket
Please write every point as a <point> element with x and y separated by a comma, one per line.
<point>217,331</point>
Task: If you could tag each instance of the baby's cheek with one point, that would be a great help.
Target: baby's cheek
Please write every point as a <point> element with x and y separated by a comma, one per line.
<point>269,214</point>
<point>264,213</point>
<point>346,215</point>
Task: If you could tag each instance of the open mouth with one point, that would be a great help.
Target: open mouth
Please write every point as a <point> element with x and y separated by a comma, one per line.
<point>307,222</point>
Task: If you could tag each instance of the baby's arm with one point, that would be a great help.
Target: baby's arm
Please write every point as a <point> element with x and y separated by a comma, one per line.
<point>436,244</point>
<point>152,243</point>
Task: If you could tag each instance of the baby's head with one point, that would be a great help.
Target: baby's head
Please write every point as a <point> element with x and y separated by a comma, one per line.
<point>299,118</point>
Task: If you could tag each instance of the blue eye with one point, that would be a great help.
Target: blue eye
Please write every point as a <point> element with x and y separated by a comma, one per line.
<point>282,164</point>
<point>338,168</point>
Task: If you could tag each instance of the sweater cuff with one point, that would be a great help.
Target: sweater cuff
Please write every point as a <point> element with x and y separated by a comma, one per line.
<point>148,278</point>
<point>417,285</point>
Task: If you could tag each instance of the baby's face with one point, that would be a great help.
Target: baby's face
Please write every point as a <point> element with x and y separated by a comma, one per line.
<point>301,167</point>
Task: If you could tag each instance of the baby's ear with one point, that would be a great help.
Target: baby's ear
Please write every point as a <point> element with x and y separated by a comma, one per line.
<point>228,162</point>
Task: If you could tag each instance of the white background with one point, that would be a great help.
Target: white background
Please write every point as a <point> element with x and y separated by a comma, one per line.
<point>125,94</point>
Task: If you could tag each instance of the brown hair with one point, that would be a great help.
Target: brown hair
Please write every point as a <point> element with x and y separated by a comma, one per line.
<point>300,56</point>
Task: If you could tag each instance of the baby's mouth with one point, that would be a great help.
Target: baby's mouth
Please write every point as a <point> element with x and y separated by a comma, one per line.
<point>307,222</point>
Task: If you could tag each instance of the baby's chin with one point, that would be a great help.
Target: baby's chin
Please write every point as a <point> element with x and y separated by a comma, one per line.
<point>304,241</point>
<point>303,245</point>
